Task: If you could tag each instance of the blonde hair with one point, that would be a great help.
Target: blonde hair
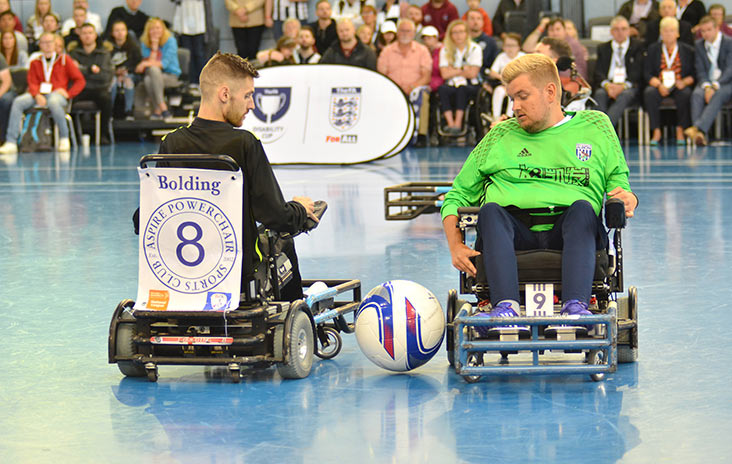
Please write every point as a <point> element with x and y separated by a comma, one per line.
<point>540,68</point>
<point>146,32</point>
<point>669,21</point>
<point>449,45</point>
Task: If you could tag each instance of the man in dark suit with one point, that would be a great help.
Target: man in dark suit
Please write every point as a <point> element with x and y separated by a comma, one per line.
<point>667,8</point>
<point>713,79</point>
<point>618,72</point>
<point>639,13</point>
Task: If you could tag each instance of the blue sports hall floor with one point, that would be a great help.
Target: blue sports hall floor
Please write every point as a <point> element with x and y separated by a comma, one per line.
<point>68,255</point>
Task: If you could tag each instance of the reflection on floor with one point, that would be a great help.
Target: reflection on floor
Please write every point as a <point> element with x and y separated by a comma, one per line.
<point>69,255</point>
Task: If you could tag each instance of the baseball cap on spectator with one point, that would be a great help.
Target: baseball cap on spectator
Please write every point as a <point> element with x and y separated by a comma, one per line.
<point>429,31</point>
<point>388,26</point>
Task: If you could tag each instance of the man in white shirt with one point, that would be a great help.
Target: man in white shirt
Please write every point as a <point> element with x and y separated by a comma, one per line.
<point>618,72</point>
<point>713,54</point>
<point>92,18</point>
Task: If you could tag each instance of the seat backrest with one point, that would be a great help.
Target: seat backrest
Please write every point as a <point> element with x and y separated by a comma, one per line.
<point>515,21</point>
<point>20,79</point>
<point>600,28</point>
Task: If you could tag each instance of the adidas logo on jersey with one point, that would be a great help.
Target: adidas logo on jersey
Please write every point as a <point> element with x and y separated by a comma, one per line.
<point>523,153</point>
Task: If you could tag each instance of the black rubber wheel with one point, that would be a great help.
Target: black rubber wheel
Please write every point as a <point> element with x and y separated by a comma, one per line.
<point>628,339</point>
<point>152,374</point>
<point>596,357</point>
<point>299,357</point>
<point>335,343</point>
<point>126,347</point>
<point>449,332</point>
<point>474,359</point>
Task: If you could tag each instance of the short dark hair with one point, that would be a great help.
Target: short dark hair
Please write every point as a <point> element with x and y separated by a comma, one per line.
<point>7,13</point>
<point>555,21</point>
<point>225,67</point>
<point>88,25</point>
<point>717,6</point>
<point>308,28</point>
<point>707,19</point>
<point>558,46</point>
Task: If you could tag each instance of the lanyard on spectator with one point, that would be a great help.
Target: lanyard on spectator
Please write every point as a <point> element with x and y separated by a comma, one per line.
<point>48,69</point>
<point>670,60</point>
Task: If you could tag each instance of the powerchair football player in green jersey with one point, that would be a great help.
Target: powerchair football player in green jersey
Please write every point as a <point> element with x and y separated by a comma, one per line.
<point>541,158</point>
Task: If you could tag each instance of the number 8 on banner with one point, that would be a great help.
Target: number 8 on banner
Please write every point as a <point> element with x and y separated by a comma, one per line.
<point>190,240</point>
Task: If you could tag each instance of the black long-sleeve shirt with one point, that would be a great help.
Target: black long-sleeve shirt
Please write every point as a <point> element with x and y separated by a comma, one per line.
<point>263,200</point>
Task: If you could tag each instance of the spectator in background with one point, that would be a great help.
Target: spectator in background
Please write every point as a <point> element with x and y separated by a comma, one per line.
<point>80,17</point>
<point>511,51</point>
<point>368,18</point>
<point>54,94</point>
<point>366,35</point>
<point>618,72</point>
<point>305,52</point>
<point>431,40</point>
<point>350,9</point>
<point>94,62</point>
<point>571,29</point>
<point>390,11</point>
<point>291,28</point>
<point>246,19</point>
<point>125,57</point>
<point>35,22</point>
<point>281,54</point>
<point>348,49</point>
<point>324,27</point>
<point>92,18</point>
<point>132,16</point>
<point>713,66</point>
<point>668,71</point>
<point>487,24</point>
<point>460,63</point>
<point>405,61</point>
<point>7,94</point>
<point>189,21</point>
<point>485,42</point>
<point>499,18</point>
<point>17,24</point>
<point>718,12</point>
<point>691,11</point>
<point>159,64</point>
<point>14,57</point>
<point>409,64</point>
<point>554,28</point>
<point>50,23</point>
<point>439,13</point>
<point>7,24</point>
<point>387,36</point>
<point>667,9</point>
<point>284,10</point>
<point>414,12</point>
<point>639,13</point>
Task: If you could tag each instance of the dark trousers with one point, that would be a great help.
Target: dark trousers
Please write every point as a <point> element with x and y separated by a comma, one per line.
<point>578,232</point>
<point>615,108</point>
<point>197,45</point>
<point>247,40</point>
<point>652,101</point>
<point>103,101</point>
<point>456,98</point>
<point>6,101</point>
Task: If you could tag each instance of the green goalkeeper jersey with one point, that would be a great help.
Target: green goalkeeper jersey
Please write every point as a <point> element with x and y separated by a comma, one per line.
<point>578,160</point>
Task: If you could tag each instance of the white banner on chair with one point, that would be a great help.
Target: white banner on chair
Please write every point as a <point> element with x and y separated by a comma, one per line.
<point>190,239</point>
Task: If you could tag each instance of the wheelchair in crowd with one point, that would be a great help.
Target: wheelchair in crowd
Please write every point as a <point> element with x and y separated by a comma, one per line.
<point>259,331</point>
<point>552,344</point>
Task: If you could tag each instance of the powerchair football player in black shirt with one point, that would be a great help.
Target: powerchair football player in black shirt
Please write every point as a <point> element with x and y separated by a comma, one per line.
<point>227,88</point>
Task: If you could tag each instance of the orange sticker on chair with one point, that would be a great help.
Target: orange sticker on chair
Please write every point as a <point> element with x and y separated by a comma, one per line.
<point>158,300</point>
